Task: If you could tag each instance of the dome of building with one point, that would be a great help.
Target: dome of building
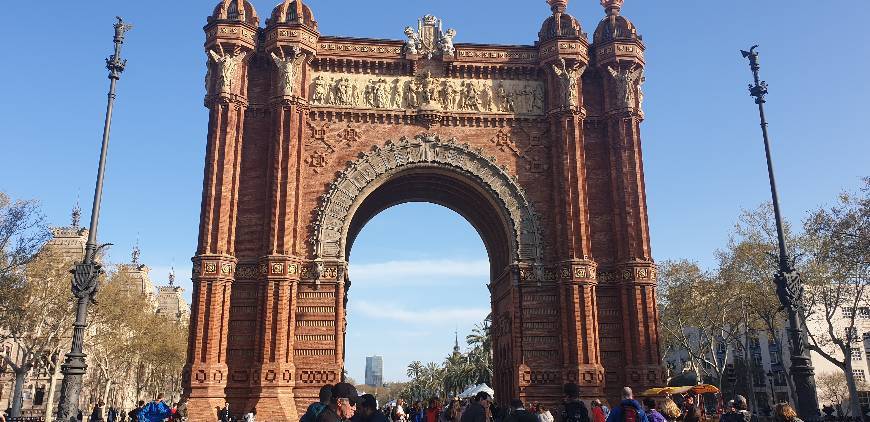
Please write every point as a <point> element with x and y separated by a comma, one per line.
<point>560,24</point>
<point>288,12</point>
<point>563,25</point>
<point>614,26</point>
<point>230,10</point>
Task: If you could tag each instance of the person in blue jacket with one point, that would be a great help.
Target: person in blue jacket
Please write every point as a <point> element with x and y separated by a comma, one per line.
<point>156,411</point>
<point>629,410</point>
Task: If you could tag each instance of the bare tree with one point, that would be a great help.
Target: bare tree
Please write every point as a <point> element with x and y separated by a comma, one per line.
<point>838,239</point>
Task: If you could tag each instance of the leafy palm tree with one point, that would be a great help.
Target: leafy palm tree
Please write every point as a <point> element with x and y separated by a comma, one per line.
<point>480,356</point>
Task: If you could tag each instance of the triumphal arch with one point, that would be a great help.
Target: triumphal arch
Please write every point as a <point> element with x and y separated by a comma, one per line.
<point>310,136</point>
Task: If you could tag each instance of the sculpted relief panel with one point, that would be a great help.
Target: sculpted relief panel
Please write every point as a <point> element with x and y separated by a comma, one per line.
<point>426,91</point>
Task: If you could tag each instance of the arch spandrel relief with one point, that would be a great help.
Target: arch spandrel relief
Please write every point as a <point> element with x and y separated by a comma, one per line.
<point>382,163</point>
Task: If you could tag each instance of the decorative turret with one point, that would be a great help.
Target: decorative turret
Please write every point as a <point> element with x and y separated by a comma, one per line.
<point>560,25</point>
<point>230,11</point>
<point>292,12</point>
<point>614,26</point>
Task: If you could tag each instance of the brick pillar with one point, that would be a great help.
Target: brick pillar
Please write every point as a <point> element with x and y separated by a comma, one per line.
<point>620,65</point>
<point>581,361</point>
<point>228,53</point>
<point>205,375</point>
<point>275,373</point>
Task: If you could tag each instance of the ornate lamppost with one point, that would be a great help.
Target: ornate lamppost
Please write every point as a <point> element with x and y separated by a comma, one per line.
<point>87,273</point>
<point>789,287</point>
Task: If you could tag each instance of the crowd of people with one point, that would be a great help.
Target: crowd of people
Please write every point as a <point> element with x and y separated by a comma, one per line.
<point>341,402</point>
<point>155,411</point>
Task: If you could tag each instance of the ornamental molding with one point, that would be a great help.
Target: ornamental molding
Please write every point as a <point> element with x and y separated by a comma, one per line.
<point>427,92</point>
<point>374,168</point>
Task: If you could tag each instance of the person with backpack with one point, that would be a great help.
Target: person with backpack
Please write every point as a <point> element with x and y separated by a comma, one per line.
<point>652,414</point>
<point>574,409</point>
<point>134,413</point>
<point>518,413</point>
<point>629,410</point>
<point>156,411</point>
<point>315,409</point>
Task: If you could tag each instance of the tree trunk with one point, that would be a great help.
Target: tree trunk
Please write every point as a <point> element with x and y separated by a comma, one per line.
<point>49,404</point>
<point>18,390</point>
<point>854,405</point>
<point>105,396</point>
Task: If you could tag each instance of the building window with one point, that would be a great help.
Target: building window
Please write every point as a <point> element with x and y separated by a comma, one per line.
<point>858,374</point>
<point>848,312</point>
<point>856,353</point>
<point>864,398</point>
<point>759,378</point>
<point>864,312</point>
<point>851,334</point>
<point>779,379</point>
<point>756,359</point>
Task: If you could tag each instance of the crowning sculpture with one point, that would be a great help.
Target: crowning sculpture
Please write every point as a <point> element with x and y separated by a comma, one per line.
<point>310,136</point>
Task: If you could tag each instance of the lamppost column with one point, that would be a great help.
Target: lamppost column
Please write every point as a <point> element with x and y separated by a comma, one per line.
<point>86,274</point>
<point>789,287</point>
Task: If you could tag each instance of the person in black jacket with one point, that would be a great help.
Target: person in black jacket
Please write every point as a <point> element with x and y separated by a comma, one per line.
<point>478,411</point>
<point>574,409</point>
<point>518,413</point>
<point>342,405</point>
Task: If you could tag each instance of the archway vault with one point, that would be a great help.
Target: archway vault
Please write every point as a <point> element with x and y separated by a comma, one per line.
<point>426,168</point>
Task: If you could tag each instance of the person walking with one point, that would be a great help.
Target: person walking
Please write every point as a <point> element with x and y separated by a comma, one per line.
<point>649,405</point>
<point>518,413</point>
<point>743,414</point>
<point>670,410</point>
<point>315,409</point>
<point>156,411</point>
<point>181,411</point>
<point>433,412</point>
<point>133,414</point>
<point>97,413</point>
<point>251,416</point>
<point>691,411</point>
<point>342,404</point>
<point>598,414</point>
<point>367,410</point>
<point>574,409</point>
<point>224,414</point>
<point>478,411</point>
<point>543,412</point>
<point>629,410</point>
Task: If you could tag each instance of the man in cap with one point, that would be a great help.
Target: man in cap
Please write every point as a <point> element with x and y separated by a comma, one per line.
<point>342,404</point>
<point>477,411</point>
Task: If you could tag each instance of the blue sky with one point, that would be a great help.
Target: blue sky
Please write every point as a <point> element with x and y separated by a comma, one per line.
<point>702,149</point>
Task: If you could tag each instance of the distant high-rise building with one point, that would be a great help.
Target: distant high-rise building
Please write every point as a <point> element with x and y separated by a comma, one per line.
<point>374,371</point>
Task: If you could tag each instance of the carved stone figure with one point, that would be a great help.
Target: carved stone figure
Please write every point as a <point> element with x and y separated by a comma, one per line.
<point>412,44</point>
<point>228,66</point>
<point>471,97</point>
<point>321,91</point>
<point>430,89</point>
<point>396,93</point>
<point>412,94</point>
<point>450,95</point>
<point>626,80</point>
<point>287,69</point>
<point>381,95</point>
<point>446,43</point>
<point>344,92</point>
<point>568,78</point>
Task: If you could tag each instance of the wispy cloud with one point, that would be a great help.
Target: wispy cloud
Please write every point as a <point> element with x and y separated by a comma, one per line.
<point>427,315</point>
<point>392,272</point>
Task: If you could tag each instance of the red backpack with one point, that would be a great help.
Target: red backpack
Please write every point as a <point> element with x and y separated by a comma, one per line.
<point>629,414</point>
